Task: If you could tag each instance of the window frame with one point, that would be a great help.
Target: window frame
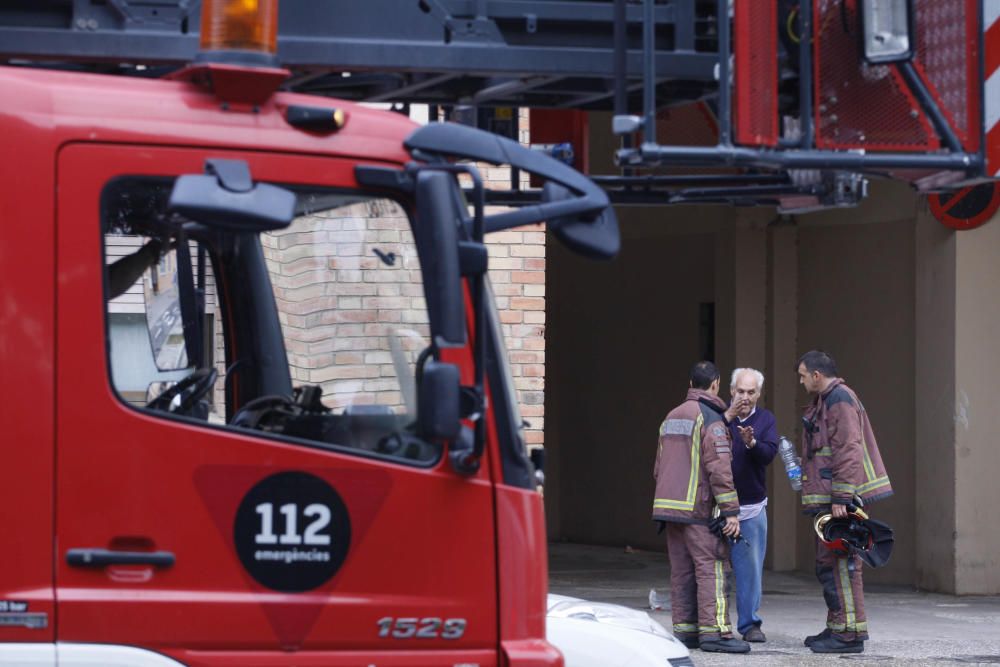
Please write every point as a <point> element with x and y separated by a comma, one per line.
<point>228,325</point>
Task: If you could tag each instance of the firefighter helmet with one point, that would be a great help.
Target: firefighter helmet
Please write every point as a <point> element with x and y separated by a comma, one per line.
<point>857,534</point>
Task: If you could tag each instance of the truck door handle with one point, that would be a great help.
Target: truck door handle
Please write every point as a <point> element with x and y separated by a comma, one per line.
<point>103,557</point>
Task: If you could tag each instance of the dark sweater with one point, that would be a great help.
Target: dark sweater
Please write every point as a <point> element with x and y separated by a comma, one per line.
<point>749,465</point>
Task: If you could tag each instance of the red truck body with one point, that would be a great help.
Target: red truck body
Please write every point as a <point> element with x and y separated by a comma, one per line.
<point>429,550</point>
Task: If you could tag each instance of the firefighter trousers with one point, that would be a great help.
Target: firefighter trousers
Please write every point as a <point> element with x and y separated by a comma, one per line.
<point>699,572</point>
<point>844,593</point>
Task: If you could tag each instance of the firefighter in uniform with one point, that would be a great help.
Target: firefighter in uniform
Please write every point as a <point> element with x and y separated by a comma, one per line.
<point>693,474</point>
<point>840,463</point>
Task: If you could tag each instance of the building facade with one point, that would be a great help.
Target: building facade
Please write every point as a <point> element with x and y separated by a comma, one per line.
<point>904,304</point>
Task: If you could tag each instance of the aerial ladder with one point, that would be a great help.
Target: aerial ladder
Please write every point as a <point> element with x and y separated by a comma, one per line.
<point>806,100</point>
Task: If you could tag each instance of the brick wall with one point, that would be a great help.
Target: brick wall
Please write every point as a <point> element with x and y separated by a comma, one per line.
<point>344,310</point>
<point>517,271</point>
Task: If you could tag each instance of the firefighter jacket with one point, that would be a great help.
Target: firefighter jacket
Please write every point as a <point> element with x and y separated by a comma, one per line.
<point>693,469</point>
<point>840,457</point>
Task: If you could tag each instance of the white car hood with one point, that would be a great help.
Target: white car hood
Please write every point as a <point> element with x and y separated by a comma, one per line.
<point>597,634</point>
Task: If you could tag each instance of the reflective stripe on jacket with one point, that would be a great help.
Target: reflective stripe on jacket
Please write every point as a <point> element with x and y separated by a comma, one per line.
<point>840,456</point>
<point>693,470</point>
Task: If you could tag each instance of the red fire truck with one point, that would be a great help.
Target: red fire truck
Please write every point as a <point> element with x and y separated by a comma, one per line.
<point>257,399</point>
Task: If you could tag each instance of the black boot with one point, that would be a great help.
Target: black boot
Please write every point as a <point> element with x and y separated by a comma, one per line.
<point>725,646</point>
<point>833,645</point>
<point>823,635</point>
<point>688,641</point>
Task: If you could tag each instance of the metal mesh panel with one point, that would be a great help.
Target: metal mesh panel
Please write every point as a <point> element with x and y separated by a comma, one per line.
<point>756,43</point>
<point>947,42</point>
<point>858,105</point>
<point>689,124</point>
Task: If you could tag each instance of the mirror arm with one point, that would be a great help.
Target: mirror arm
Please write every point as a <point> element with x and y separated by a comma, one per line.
<point>478,289</point>
<point>591,203</point>
<point>434,140</point>
<point>473,258</point>
<point>462,455</point>
<point>233,175</point>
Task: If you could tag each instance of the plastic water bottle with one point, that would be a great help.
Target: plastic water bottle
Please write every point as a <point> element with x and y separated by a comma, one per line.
<point>787,452</point>
<point>656,601</point>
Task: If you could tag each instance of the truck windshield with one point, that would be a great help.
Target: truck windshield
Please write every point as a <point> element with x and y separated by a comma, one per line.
<point>328,356</point>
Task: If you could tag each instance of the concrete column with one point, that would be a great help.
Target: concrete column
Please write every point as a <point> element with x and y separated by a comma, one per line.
<point>782,345</point>
<point>976,417</point>
<point>756,288</point>
<point>934,567</point>
<point>958,541</point>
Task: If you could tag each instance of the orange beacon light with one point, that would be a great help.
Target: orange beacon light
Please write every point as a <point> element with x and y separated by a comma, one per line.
<point>240,25</point>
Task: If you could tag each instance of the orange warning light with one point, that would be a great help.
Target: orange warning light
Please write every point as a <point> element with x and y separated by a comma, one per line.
<point>245,25</point>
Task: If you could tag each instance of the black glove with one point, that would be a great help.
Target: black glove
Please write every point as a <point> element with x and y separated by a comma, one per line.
<point>716,525</point>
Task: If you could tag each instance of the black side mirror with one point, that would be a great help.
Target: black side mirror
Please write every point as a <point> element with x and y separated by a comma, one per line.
<point>593,236</point>
<point>436,233</point>
<point>439,401</point>
<point>227,198</point>
<point>574,202</point>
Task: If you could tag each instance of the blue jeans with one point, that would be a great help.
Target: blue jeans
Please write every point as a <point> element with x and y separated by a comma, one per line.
<point>748,568</point>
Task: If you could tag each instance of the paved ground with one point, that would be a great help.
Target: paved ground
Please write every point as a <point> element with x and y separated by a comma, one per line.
<point>908,627</point>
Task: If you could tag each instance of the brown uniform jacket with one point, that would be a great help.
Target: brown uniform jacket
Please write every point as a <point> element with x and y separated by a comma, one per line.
<point>840,457</point>
<point>693,470</point>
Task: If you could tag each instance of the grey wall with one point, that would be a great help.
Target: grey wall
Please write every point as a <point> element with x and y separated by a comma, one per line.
<point>620,341</point>
<point>856,301</point>
<point>621,337</point>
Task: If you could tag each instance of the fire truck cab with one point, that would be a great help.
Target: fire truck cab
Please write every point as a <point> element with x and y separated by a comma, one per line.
<point>256,390</point>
